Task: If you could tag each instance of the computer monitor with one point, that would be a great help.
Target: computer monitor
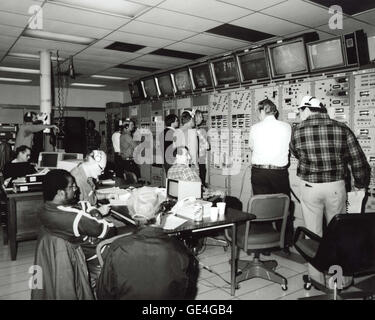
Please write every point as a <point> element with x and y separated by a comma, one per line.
<point>225,71</point>
<point>182,81</point>
<point>288,58</point>
<point>253,65</point>
<point>179,189</point>
<point>326,54</point>
<point>48,160</point>
<point>201,76</point>
<point>165,84</point>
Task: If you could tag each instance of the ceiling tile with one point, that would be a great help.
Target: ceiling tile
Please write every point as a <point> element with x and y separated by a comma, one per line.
<point>87,18</point>
<point>349,6</point>
<point>29,45</point>
<point>268,24</point>
<point>216,41</point>
<point>6,42</point>
<point>183,46</point>
<point>368,17</point>
<point>240,33</point>
<point>105,53</point>
<point>153,30</point>
<point>74,29</point>
<point>177,20</point>
<point>21,63</point>
<point>138,39</point>
<point>10,31</point>
<point>134,67</point>
<point>149,2</point>
<point>167,61</point>
<point>124,47</point>
<point>13,19</point>
<point>300,12</point>
<point>350,25</point>
<point>255,5</point>
<point>209,9</point>
<point>177,54</point>
<point>19,6</point>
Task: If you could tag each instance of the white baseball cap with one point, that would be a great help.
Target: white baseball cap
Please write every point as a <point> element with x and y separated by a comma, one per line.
<point>310,101</point>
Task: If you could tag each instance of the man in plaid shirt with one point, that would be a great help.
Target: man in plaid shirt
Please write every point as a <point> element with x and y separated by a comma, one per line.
<point>181,169</point>
<point>324,147</point>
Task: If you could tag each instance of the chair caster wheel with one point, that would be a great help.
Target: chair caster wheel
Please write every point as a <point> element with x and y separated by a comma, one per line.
<point>284,287</point>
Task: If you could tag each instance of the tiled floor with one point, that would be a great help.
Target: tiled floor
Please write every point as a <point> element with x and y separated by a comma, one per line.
<point>14,277</point>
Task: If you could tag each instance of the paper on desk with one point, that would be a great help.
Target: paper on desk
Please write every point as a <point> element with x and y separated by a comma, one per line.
<point>172,222</point>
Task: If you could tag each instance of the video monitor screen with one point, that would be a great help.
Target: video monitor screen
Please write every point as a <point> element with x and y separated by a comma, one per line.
<point>182,81</point>
<point>225,71</point>
<point>165,85</point>
<point>202,76</point>
<point>172,188</point>
<point>253,65</point>
<point>48,160</point>
<point>150,88</point>
<point>326,54</point>
<point>288,58</point>
<point>135,90</point>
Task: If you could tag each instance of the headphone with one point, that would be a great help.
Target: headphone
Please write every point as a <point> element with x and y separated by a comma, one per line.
<point>96,155</point>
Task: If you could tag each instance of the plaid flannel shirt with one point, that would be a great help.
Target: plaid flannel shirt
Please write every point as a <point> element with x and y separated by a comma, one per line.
<point>183,172</point>
<point>324,147</point>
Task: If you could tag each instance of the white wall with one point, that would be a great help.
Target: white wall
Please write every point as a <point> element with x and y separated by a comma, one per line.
<point>30,95</point>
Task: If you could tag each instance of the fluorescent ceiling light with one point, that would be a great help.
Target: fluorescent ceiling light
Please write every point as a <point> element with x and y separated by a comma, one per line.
<point>15,80</point>
<point>108,77</point>
<point>40,34</point>
<point>93,85</point>
<point>29,56</point>
<point>20,70</point>
<point>112,7</point>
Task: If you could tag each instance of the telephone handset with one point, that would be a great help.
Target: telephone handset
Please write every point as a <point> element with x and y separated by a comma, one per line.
<point>186,202</point>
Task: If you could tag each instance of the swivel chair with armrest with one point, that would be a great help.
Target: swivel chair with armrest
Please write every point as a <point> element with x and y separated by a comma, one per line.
<point>261,236</point>
<point>348,242</point>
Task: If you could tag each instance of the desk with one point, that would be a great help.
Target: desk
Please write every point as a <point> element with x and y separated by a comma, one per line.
<point>23,223</point>
<point>231,219</point>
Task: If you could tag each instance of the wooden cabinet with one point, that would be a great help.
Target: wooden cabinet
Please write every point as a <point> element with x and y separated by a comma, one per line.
<point>23,222</point>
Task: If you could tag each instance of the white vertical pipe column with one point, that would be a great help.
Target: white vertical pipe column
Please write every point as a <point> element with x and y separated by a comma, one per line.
<point>45,84</point>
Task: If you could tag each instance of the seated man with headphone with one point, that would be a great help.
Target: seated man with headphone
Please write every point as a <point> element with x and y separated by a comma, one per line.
<point>85,175</point>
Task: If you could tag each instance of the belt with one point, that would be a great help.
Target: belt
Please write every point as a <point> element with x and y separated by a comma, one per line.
<point>268,166</point>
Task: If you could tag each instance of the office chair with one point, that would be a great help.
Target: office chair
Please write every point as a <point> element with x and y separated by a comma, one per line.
<point>261,236</point>
<point>63,271</point>
<point>101,246</point>
<point>348,242</point>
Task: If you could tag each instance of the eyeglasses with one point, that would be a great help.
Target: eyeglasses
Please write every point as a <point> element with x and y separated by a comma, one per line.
<point>101,168</point>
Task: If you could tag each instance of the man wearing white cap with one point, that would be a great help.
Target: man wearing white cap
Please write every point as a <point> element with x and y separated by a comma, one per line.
<point>324,147</point>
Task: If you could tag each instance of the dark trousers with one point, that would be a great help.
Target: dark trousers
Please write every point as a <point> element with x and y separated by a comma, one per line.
<point>119,170</point>
<point>202,173</point>
<point>130,165</point>
<point>269,181</point>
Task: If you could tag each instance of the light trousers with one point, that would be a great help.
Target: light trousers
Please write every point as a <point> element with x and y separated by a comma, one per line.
<point>317,199</point>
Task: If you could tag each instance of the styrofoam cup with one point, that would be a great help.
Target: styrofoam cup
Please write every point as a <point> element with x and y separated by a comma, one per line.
<point>221,207</point>
<point>214,213</point>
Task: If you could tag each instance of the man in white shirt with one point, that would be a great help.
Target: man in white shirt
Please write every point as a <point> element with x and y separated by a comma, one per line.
<point>269,143</point>
<point>116,148</point>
